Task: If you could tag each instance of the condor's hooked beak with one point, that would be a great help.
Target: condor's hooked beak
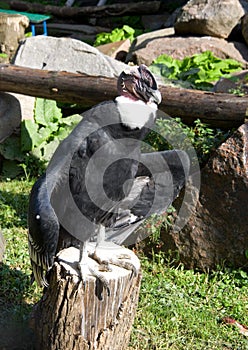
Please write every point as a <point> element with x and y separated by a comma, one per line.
<point>139,84</point>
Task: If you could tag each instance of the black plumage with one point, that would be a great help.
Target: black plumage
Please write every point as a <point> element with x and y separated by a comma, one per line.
<point>98,177</point>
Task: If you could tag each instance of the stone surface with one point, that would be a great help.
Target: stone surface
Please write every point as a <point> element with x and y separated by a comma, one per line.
<point>27,104</point>
<point>216,233</point>
<point>10,115</point>
<point>142,40</point>
<point>12,30</point>
<point>155,22</point>
<point>62,54</point>
<point>65,54</point>
<point>237,83</point>
<point>244,28</point>
<point>117,50</point>
<point>179,47</point>
<point>209,17</point>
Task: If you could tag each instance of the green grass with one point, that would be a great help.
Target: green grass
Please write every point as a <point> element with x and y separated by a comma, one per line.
<point>178,308</point>
<point>183,309</point>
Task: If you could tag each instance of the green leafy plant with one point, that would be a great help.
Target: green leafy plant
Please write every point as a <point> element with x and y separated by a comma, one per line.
<point>33,148</point>
<point>42,135</point>
<point>203,138</point>
<point>199,71</point>
<point>153,226</point>
<point>117,34</point>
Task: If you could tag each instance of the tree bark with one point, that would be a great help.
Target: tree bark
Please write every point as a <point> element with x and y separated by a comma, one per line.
<point>216,109</point>
<point>140,8</point>
<point>72,315</point>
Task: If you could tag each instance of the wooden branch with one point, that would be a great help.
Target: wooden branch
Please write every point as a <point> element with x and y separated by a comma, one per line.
<point>216,109</point>
<point>140,8</point>
<point>72,315</point>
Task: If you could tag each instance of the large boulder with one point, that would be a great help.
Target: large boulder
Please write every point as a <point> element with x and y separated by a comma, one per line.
<point>62,54</point>
<point>216,232</point>
<point>145,51</point>
<point>10,115</point>
<point>244,27</point>
<point>236,83</point>
<point>209,17</point>
<point>65,54</point>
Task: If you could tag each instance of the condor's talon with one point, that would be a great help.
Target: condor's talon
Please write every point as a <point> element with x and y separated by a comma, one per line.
<point>103,264</point>
<point>104,267</point>
<point>123,256</point>
<point>124,264</point>
<point>82,267</point>
<point>101,278</point>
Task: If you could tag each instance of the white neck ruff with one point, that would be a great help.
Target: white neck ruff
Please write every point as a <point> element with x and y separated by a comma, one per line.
<point>135,114</point>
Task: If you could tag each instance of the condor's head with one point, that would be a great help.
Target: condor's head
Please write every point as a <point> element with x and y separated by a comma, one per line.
<point>138,96</point>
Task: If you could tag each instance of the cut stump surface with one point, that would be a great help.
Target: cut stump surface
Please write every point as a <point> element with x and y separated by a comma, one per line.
<point>75,315</point>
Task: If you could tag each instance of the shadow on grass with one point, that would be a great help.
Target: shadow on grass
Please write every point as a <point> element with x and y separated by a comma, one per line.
<point>18,203</point>
<point>15,333</point>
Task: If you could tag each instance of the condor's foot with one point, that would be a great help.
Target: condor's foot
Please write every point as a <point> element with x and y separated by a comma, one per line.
<point>98,262</point>
<point>121,260</point>
<point>95,272</point>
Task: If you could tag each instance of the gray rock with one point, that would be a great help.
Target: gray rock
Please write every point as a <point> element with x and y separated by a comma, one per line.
<point>10,115</point>
<point>179,47</point>
<point>62,54</point>
<point>244,28</point>
<point>237,83</point>
<point>143,40</point>
<point>27,104</point>
<point>209,17</point>
<point>216,232</point>
<point>65,54</point>
<point>154,22</point>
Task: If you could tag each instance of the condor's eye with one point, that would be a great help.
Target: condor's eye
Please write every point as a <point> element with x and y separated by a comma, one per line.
<point>37,217</point>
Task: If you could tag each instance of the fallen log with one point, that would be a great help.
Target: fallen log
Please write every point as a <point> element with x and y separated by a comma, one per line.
<point>139,8</point>
<point>215,109</point>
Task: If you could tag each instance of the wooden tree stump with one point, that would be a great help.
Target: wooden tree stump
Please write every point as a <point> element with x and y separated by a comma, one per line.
<point>12,31</point>
<point>74,315</point>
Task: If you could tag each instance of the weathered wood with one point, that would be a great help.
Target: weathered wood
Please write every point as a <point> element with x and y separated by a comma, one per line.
<point>73,316</point>
<point>216,109</point>
<point>12,31</point>
<point>140,8</point>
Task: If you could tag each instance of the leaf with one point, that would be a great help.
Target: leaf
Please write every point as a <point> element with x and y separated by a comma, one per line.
<point>47,112</point>
<point>117,34</point>
<point>200,69</point>
<point>49,149</point>
<point>30,137</point>
<point>73,119</point>
<point>68,125</point>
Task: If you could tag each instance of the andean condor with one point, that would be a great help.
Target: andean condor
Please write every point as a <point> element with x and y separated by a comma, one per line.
<point>99,181</point>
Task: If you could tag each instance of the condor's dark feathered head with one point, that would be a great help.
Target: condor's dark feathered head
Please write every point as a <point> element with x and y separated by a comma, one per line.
<point>139,84</point>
